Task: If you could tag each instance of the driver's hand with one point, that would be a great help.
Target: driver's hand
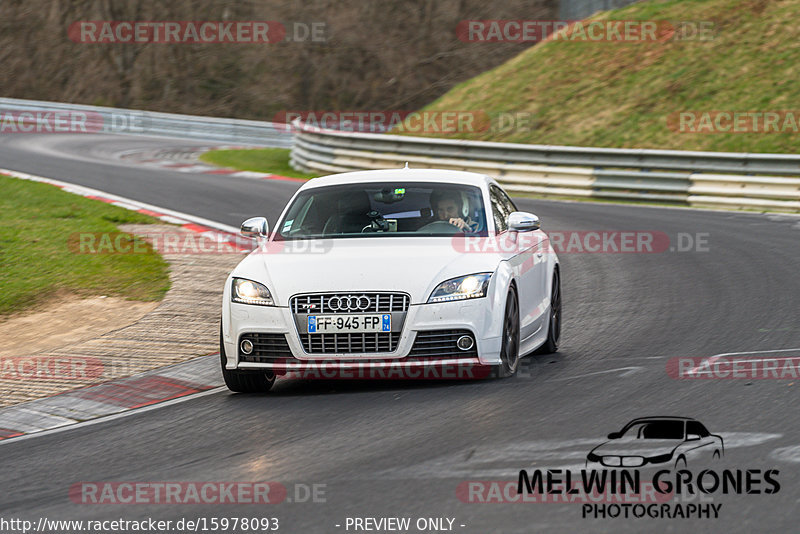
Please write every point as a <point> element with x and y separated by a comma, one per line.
<point>455,221</point>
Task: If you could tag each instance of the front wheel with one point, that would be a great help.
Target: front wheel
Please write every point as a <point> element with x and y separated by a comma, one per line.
<point>509,352</point>
<point>244,381</point>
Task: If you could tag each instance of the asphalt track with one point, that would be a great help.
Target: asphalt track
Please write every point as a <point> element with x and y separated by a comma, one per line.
<point>401,449</point>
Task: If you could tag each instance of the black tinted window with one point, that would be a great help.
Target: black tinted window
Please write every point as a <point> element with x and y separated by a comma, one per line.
<point>663,430</point>
<point>695,427</point>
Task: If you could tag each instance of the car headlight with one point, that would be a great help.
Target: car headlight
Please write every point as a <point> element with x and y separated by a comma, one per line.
<point>249,292</point>
<point>472,286</point>
<point>632,461</point>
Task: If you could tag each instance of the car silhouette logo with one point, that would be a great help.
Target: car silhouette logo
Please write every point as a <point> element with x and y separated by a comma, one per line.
<point>672,441</point>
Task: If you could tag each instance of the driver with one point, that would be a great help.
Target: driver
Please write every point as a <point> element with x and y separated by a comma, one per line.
<point>447,207</point>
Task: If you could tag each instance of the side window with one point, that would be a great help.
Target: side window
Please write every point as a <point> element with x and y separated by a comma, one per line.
<point>506,201</point>
<point>695,427</point>
<point>501,206</point>
<point>498,210</point>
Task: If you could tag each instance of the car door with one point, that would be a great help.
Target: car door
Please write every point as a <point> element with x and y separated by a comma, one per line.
<point>527,265</point>
<point>699,449</point>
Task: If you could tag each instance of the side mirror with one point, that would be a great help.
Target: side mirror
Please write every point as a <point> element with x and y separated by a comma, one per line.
<point>522,221</point>
<point>614,435</point>
<point>692,437</point>
<point>255,227</point>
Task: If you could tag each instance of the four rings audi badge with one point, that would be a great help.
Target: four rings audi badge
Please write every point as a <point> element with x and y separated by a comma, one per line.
<point>349,303</point>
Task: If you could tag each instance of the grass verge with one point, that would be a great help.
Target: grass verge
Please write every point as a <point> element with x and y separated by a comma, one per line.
<point>628,94</point>
<point>37,264</point>
<point>271,160</point>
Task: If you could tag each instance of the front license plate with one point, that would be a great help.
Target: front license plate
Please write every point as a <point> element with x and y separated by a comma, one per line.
<point>332,324</point>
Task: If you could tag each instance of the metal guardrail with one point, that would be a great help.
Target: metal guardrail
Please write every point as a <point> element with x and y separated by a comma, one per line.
<point>580,9</point>
<point>714,179</point>
<point>108,120</point>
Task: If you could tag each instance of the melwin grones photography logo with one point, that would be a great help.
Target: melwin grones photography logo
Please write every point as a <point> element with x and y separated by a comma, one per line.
<point>648,469</point>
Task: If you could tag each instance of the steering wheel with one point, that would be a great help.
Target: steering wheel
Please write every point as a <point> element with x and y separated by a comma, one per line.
<point>440,227</point>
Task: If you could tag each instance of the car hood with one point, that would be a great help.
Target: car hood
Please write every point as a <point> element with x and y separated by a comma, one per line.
<point>412,265</point>
<point>637,447</point>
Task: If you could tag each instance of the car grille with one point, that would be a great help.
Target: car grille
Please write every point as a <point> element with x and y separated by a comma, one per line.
<point>439,344</point>
<point>267,348</point>
<point>430,345</point>
<point>350,343</point>
<point>319,303</point>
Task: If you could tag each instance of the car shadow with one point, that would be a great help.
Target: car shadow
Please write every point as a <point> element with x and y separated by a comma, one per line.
<point>289,387</point>
<point>531,367</point>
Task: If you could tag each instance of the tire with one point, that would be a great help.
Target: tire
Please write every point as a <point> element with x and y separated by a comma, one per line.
<point>554,326</point>
<point>244,381</point>
<point>509,352</point>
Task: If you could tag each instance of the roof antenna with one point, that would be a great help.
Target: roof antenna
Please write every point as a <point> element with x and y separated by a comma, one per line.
<point>406,165</point>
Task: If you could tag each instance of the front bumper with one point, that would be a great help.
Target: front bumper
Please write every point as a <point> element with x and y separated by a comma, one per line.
<point>476,316</point>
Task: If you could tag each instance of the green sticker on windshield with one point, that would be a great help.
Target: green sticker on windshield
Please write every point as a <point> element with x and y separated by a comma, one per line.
<point>400,191</point>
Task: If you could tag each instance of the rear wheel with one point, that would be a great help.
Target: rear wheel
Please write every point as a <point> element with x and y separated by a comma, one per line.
<point>554,328</point>
<point>244,381</point>
<point>509,353</point>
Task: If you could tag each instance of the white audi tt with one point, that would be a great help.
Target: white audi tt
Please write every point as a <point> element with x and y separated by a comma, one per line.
<point>386,269</point>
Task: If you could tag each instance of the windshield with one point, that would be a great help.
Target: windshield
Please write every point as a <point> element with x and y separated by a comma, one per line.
<point>385,209</point>
<point>655,430</point>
